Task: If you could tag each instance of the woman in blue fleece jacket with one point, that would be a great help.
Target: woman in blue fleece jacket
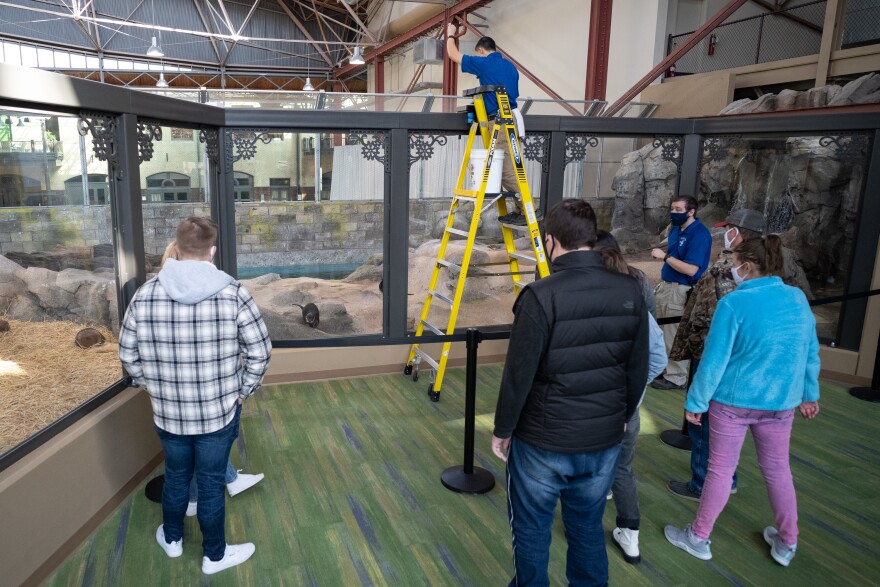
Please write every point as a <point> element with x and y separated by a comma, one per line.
<point>760,362</point>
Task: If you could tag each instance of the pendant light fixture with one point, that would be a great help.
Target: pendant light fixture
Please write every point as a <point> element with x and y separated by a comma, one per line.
<point>155,49</point>
<point>357,58</point>
<point>162,83</point>
<point>308,87</point>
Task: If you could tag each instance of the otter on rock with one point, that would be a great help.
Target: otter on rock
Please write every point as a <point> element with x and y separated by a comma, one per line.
<point>311,316</point>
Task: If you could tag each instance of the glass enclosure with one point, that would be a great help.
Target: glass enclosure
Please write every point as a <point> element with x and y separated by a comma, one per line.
<point>57,273</point>
<point>309,229</point>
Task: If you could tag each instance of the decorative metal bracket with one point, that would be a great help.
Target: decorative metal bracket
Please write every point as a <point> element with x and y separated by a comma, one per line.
<point>147,132</point>
<point>211,139</point>
<point>670,148</point>
<point>103,131</point>
<point>715,148</point>
<point>536,147</point>
<point>242,143</point>
<point>851,147</point>
<point>576,145</point>
<point>374,145</point>
<point>421,145</point>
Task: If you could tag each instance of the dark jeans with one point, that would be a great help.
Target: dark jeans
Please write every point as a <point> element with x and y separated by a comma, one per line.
<point>536,480</point>
<point>626,500</point>
<point>206,456</point>
<point>700,454</point>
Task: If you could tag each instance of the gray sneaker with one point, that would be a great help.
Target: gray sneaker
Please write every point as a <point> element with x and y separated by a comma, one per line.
<point>685,540</point>
<point>779,550</point>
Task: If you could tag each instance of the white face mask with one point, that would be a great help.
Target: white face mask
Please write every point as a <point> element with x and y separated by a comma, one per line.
<point>728,242</point>
<point>736,276</point>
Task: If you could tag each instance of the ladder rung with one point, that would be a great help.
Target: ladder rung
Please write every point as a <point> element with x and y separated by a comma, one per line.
<point>463,233</point>
<point>519,285</point>
<point>424,356</point>
<point>449,264</point>
<point>522,257</point>
<point>433,328</point>
<point>440,297</point>
<point>465,194</point>
<point>520,227</point>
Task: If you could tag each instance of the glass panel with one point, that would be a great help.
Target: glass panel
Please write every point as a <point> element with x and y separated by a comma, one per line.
<point>173,186</point>
<point>12,53</point>
<point>809,189</point>
<point>29,56</point>
<point>62,59</point>
<point>45,59</point>
<point>77,61</point>
<point>308,236</point>
<point>487,300</point>
<point>56,272</point>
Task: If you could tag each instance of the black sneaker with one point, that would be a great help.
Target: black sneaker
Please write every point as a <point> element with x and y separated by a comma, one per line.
<point>682,489</point>
<point>512,218</point>
<point>665,384</point>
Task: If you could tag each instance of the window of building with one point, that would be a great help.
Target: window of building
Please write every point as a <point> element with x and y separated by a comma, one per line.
<point>99,189</point>
<point>279,189</point>
<point>243,186</point>
<point>167,187</point>
<point>181,134</point>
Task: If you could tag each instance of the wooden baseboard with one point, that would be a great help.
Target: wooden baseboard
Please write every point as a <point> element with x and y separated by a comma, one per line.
<point>79,537</point>
<point>845,378</point>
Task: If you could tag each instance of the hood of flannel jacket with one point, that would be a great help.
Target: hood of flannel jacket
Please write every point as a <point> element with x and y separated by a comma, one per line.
<point>190,282</point>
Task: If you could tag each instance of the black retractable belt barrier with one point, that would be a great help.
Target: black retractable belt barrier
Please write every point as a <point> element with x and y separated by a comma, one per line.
<point>467,478</point>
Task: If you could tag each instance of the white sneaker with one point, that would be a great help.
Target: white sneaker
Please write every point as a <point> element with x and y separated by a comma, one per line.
<point>173,549</point>
<point>610,496</point>
<point>242,482</point>
<point>235,555</point>
<point>192,509</point>
<point>628,541</point>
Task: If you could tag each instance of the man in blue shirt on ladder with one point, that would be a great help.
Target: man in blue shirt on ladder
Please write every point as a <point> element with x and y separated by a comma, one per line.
<point>492,69</point>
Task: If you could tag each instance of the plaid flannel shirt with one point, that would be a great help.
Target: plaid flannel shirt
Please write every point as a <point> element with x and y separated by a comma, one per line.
<point>194,360</point>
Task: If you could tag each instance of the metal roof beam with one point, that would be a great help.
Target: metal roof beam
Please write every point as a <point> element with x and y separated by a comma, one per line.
<point>247,19</point>
<point>305,32</point>
<point>207,29</point>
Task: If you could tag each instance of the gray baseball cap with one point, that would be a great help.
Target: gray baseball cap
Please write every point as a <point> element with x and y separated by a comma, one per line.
<point>745,218</point>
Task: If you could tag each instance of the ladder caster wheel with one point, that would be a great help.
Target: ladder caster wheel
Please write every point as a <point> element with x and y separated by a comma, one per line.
<point>407,369</point>
<point>415,375</point>
<point>434,395</point>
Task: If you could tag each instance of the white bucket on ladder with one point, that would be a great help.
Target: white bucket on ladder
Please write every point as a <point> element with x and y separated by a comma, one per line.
<point>476,165</point>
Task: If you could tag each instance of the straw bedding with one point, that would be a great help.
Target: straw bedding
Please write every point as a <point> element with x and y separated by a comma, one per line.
<point>44,375</point>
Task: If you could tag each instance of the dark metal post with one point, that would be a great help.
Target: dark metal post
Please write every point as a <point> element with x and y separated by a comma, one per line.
<point>870,394</point>
<point>556,176</point>
<point>395,266</point>
<point>223,204</point>
<point>126,213</point>
<point>679,438</point>
<point>760,34</point>
<point>689,173</point>
<point>466,479</point>
<point>852,313</point>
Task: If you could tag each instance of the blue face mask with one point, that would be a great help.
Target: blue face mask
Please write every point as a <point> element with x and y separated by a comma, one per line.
<point>678,218</point>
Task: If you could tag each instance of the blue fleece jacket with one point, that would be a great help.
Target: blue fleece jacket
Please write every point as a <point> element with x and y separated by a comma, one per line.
<point>761,352</point>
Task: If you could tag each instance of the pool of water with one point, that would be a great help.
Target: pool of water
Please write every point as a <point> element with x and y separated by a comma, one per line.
<point>319,271</point>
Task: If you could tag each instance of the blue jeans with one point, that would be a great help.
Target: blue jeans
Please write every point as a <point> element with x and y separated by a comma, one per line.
<point>206,456</point>
<point>700,454</point>
<point>231,475</point>
<point>536,480</point>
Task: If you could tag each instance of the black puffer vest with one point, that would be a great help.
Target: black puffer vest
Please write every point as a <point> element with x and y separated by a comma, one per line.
<point>578,401</point>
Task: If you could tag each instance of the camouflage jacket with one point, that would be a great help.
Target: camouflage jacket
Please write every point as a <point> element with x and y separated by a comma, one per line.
<point>715,283</point>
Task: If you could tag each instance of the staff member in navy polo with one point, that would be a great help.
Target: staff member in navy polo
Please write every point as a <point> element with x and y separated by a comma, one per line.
<point>492,69</point>
<point>684,261</point>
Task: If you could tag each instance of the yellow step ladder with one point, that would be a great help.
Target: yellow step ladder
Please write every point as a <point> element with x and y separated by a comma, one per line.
<point>504,123</point>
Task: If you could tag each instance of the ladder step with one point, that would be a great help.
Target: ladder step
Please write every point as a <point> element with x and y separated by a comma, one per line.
<point>433,328</point>
<point>440,297</point>
<point>449,265</point>
<point>519,227</point>
<point>463,233</point>
<point>465,194</point>
<point>424,356</point>
<point>522,257</point>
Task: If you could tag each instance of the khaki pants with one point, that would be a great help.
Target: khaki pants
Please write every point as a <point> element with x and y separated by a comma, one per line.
<point>671,299</point>
<point>508,175</point>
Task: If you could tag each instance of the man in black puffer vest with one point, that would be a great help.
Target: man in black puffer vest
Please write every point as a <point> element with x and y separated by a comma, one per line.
<point>575,370</point>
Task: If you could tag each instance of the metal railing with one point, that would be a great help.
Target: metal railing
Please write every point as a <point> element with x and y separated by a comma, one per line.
<point>32,146</point>
<point>773,36</point>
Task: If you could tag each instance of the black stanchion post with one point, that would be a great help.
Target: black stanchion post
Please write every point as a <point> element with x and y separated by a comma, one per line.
<point>680,438</point>
<point>467,479</point>
<point>870,394</point>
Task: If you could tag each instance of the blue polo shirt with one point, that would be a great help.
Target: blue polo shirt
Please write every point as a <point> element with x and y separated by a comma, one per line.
<point>693,245</point>
<point>493,70</point>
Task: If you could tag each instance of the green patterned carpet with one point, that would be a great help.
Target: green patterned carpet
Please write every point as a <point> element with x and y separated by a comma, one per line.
<point>352,497</point>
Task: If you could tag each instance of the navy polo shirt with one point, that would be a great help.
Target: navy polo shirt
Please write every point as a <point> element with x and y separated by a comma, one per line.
<point>493,70</point>
<point>693,245</point>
